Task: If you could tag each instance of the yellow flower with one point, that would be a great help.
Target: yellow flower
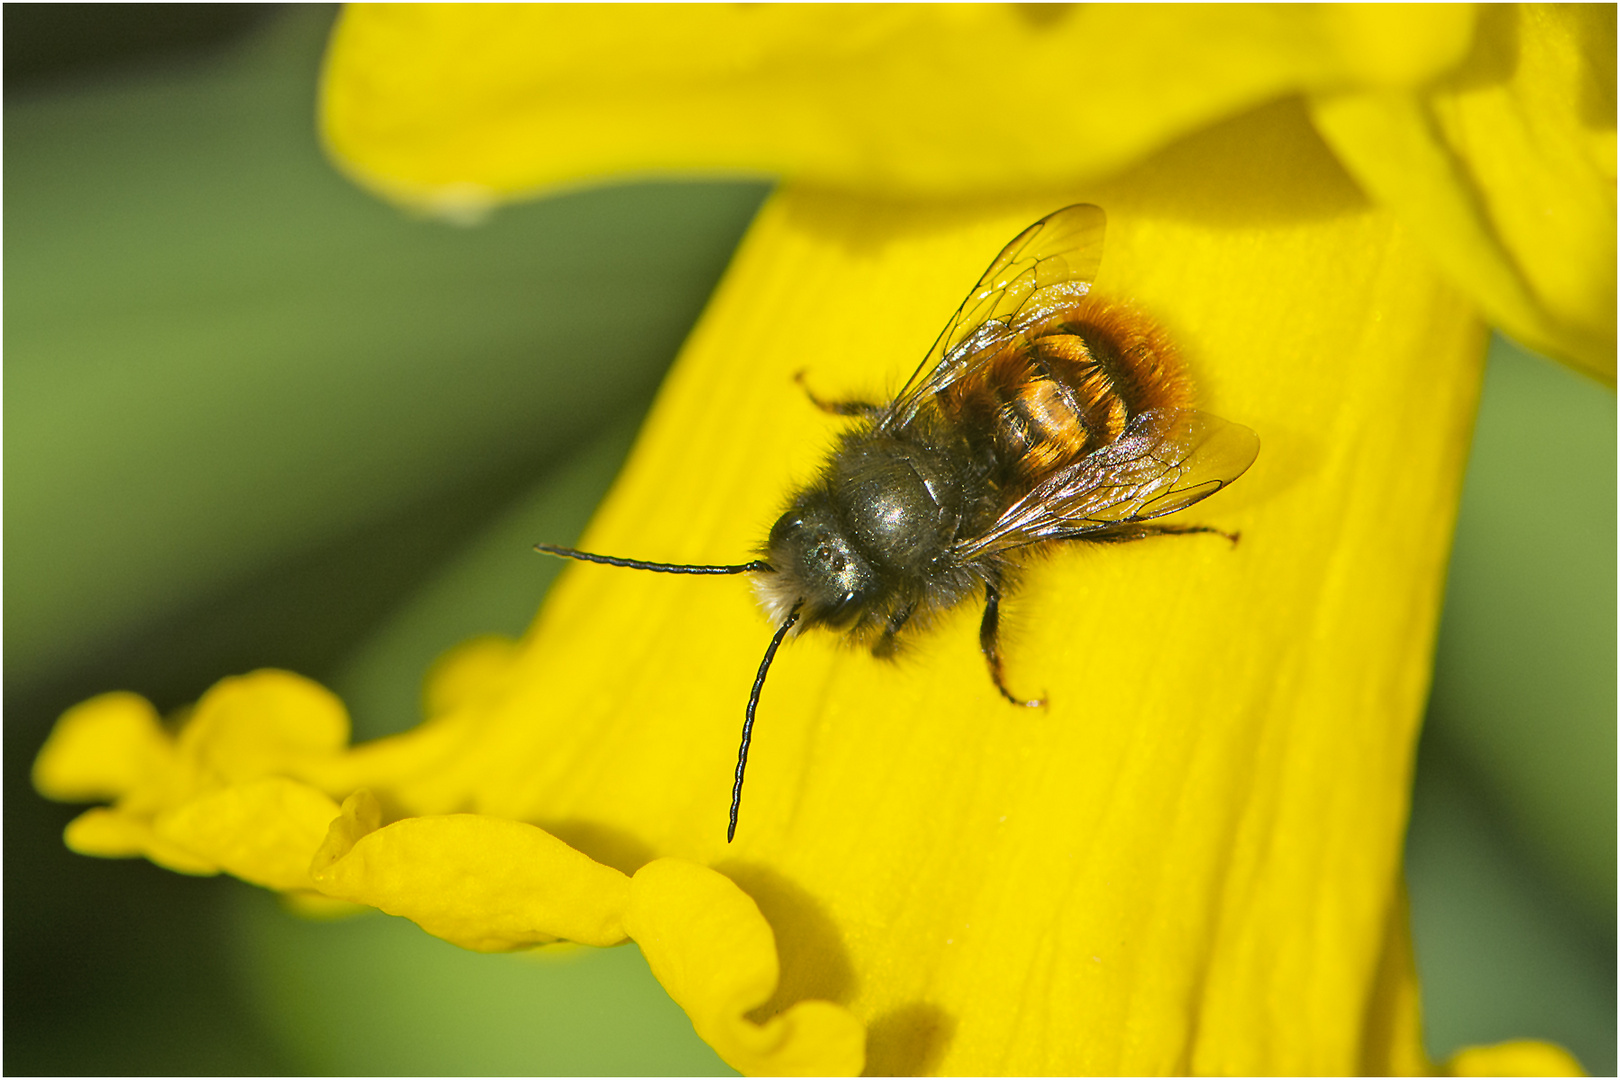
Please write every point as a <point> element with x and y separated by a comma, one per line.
<point>1190,861</point>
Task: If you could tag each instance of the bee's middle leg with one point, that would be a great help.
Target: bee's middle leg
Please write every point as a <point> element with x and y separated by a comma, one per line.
<point>990,642</point>
<point>837,408</point>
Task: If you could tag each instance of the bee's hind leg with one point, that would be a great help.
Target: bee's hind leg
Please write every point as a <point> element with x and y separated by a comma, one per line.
<point>1141,532</point>
<point>989,641</point>
<point>837,408</point>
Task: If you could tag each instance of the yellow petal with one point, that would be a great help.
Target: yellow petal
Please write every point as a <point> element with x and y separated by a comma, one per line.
<point>471,671</point>
<point>1521,1058</point>
<point>360,816</point>
<point>1505,170</point>
<point>484,883</point>
<point>453,108</point>
<point>1496,148</point>
<point>263,831</point>
<point>1393,1042</point>
<point>112,834</point>
<point>101,749</point>
<point>710,947</point>
<point>1390,46</point>
<point>254,725</point>
<point>1188,861</point>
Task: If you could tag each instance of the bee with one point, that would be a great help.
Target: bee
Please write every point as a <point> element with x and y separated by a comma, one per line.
<point>1042,414</point>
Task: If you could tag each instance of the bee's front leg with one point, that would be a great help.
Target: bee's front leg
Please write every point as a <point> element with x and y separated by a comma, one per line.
<point>838,408</point>
<point>884,647</point>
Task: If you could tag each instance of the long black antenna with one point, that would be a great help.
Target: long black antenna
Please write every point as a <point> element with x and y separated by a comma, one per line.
<point>758,565</point>
<point>748,722</point>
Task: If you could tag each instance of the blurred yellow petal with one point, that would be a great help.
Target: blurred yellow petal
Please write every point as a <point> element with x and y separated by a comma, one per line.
<point>1494,144</point>
<point>1393,1041</point>
<point>706,941</point>
<point>112,834</point>
<point>1521,1058</point>
<point>1505,170</point>
<point>262,723</point>
<point>484,883</point>
<point>453,108</point>
<point>471,671</point>
<point>1396,45</point>
<point>101,749</point>
<point>175,802</point>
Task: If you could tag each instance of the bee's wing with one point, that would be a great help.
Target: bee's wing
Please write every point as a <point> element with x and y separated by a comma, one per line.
<point>1048,266</point>
<point>1167,459</point>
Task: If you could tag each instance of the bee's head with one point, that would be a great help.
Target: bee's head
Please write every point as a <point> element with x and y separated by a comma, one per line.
<point>813,560</point>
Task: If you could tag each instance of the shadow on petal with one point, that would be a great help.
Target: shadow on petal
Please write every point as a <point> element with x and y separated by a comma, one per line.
<point>619,848</point>
<point>908,1041</point>
<point>809,944</point>
<point>1267,167</point>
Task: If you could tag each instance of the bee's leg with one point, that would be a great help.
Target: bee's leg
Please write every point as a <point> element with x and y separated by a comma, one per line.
<point>989,641</point>
<point>1125,533</point>
<point>884,646</point>
<point>838,408</point>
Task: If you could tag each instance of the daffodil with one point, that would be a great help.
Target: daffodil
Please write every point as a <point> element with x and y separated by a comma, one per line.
<point>1188,862</point>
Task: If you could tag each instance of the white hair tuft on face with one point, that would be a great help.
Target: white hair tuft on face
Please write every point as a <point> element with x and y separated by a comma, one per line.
<point>776,594</point>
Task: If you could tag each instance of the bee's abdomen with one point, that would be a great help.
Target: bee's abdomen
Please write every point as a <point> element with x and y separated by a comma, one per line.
<point>1070,386</point>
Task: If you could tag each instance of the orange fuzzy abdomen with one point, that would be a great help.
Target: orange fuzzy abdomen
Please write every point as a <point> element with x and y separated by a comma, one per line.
<point>1069,386</point>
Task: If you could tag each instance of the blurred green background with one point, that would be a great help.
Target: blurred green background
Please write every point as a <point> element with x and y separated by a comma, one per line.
<point>254,417</point>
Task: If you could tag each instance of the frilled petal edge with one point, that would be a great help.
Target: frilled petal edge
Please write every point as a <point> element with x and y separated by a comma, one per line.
<point>492,884</point>
<point>710,947</point>
<point>482,882</point>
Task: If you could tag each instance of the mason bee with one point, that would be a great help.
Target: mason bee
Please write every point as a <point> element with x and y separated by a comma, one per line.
<point>1041,414</point>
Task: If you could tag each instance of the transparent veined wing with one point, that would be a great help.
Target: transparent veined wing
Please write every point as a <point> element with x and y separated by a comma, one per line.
<point>1047,267</point>
<point>1166,460</point>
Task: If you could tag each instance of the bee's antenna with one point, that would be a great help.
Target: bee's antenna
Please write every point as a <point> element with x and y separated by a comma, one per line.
<point>758,565</point>
<point>748,722</point>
